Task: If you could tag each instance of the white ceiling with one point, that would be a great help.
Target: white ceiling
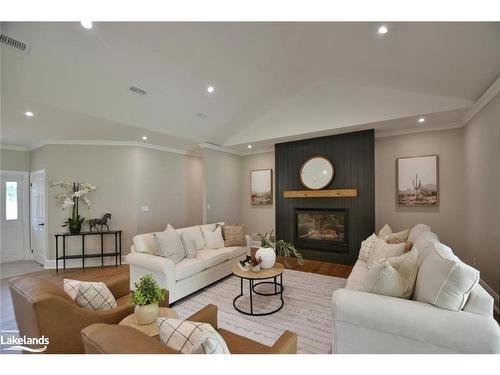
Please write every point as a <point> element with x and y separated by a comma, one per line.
<point>273,81</point>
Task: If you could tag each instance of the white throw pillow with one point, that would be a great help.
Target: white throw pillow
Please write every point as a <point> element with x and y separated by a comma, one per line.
<point>383,249</point>
<point>189,245</point>
<point>444,280</point>
<point>170,245</point>
<point>416,231</point>
<point>400,236</point>
<point>90,295</point>
<point>146,243</point>
<point>213,239</point>
<point>384,231</point>
<point>195,232</point>
<point>191,337</point>
<point>367,247</point>
<point>394,277</point>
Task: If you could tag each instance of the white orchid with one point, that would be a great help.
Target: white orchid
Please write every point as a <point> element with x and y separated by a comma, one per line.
<point>78,191</point>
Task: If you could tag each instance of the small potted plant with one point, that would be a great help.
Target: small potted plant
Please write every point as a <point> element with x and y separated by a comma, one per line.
<point>255,263</point>
<point>146,297</point>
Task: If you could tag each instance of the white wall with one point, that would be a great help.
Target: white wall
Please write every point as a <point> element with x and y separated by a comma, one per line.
<point>222,186</point>
<point>482,193</point>
<point>13,160</point>
<point>257,219</point>
<point>445,219</point>
<point>126,179</point>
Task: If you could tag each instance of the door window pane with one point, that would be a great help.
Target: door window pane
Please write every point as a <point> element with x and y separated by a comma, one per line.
<point>10,200</point>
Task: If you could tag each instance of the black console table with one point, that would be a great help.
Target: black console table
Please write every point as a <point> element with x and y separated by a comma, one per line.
<point>117,252</point>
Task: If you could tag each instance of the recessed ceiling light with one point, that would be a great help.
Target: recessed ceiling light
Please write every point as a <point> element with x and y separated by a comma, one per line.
<point>421,120</point>
<point>86,24</point>
<point>383,30</point>
<point>249,146</point>
<point>210,89</point>
<point>29,114</point>
<point>144,138</point>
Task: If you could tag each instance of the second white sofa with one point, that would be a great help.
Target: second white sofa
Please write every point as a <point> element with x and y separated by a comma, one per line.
<point>190,274</point>
<point>367,323</point>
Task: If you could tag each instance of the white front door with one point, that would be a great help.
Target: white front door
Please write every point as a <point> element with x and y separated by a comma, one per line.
<point>14,242</point>
<point>38,219</point>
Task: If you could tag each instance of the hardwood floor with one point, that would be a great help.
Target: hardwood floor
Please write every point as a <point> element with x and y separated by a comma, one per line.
<point>7,317</point>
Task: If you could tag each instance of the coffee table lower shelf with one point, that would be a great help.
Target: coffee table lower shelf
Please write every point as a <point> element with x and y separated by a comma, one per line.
<point>272,273</point>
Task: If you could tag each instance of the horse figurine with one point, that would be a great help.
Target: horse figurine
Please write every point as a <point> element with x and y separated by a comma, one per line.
<point>93,223</point>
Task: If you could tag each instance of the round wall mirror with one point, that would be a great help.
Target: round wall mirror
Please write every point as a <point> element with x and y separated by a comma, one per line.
<point>316,173</point>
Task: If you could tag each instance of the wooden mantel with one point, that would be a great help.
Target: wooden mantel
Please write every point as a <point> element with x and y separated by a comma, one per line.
<point>337,193</point>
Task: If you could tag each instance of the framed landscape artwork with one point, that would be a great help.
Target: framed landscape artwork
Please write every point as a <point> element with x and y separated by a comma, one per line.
<point>417,181</point>
<point>261,187</point>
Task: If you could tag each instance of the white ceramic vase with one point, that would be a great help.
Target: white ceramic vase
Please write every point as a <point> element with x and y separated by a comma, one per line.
<point>146,314</point>
<point>267,256</point>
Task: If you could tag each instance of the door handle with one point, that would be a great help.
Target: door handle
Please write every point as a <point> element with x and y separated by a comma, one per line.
<point>41,224</point>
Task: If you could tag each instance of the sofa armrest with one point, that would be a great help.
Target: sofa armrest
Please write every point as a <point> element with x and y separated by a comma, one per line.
<point>119,286</point>
<point>480,302</point>
<point>371,323</point>
<point>151,262</point>
<point>286,344</point>
<point>208,314</point>
<point>116,339</point>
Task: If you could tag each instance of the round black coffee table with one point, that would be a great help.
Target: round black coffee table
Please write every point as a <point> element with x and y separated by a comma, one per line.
<point>264,274</point>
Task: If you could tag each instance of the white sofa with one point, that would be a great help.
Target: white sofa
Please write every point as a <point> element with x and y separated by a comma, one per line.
<point>370,323</point>
<point>190,274</point>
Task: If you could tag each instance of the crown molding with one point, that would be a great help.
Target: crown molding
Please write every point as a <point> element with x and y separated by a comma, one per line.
<point>487,97</point>
<point>14,148</point>
<point>215,147</point>
<point>82,142</point>
<point>228,150</point>
<point>415,130</point>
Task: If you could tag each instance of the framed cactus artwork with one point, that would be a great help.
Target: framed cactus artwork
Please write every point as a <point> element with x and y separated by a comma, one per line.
<point>417,181</point>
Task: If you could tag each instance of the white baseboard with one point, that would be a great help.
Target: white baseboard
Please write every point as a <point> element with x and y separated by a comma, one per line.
<point>50,264</point>
<point>493,294</point>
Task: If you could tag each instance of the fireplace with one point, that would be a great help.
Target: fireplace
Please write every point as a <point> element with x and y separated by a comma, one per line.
<point>321,229</point>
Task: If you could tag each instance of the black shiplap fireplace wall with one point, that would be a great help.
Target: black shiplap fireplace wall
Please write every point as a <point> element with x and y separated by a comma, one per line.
<point>352,155</point>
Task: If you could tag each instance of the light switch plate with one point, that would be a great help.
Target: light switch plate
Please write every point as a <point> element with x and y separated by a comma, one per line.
<point>144,208</point>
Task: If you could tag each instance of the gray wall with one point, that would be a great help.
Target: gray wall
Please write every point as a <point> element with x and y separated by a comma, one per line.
<point>446,219</point>
<point>126,179</point>
<point>12,160</point>
<point>257,219</point>
<point>482,192</point>
<point>222,186</point>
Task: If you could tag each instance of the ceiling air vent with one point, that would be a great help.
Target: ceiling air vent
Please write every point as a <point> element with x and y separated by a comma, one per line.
<point>137,90</point>
<point>14,43</point>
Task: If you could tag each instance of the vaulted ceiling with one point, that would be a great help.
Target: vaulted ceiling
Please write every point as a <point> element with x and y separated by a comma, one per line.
<point>273,81</point>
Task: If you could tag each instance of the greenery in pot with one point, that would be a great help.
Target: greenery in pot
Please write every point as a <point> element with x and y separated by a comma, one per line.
<point>146,292</point>
<point>282,248</point>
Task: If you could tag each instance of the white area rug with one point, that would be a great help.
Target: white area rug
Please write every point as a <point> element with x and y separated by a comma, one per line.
<point>307,309</point>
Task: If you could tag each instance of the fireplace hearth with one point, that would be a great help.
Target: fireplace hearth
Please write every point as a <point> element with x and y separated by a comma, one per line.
<point>322,229</point>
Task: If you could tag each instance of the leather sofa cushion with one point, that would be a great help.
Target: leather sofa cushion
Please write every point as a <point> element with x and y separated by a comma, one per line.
<point>234,251</point>
<point>242,345</point>
<point>188,267</point>
<point>212,257</point>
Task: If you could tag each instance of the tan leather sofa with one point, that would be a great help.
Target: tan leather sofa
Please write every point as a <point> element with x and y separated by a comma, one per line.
<point>43,308</point>
<point>115,339</point>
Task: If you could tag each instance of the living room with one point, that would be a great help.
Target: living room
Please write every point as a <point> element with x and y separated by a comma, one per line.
<point>250,187</point>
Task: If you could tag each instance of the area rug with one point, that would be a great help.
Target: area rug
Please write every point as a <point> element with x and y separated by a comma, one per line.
<point>306,311</point>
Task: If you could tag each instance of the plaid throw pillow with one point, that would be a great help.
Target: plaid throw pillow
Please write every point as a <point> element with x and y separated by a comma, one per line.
<point>367,247</point>
<point>191,337</point>
<point>90,295</point>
